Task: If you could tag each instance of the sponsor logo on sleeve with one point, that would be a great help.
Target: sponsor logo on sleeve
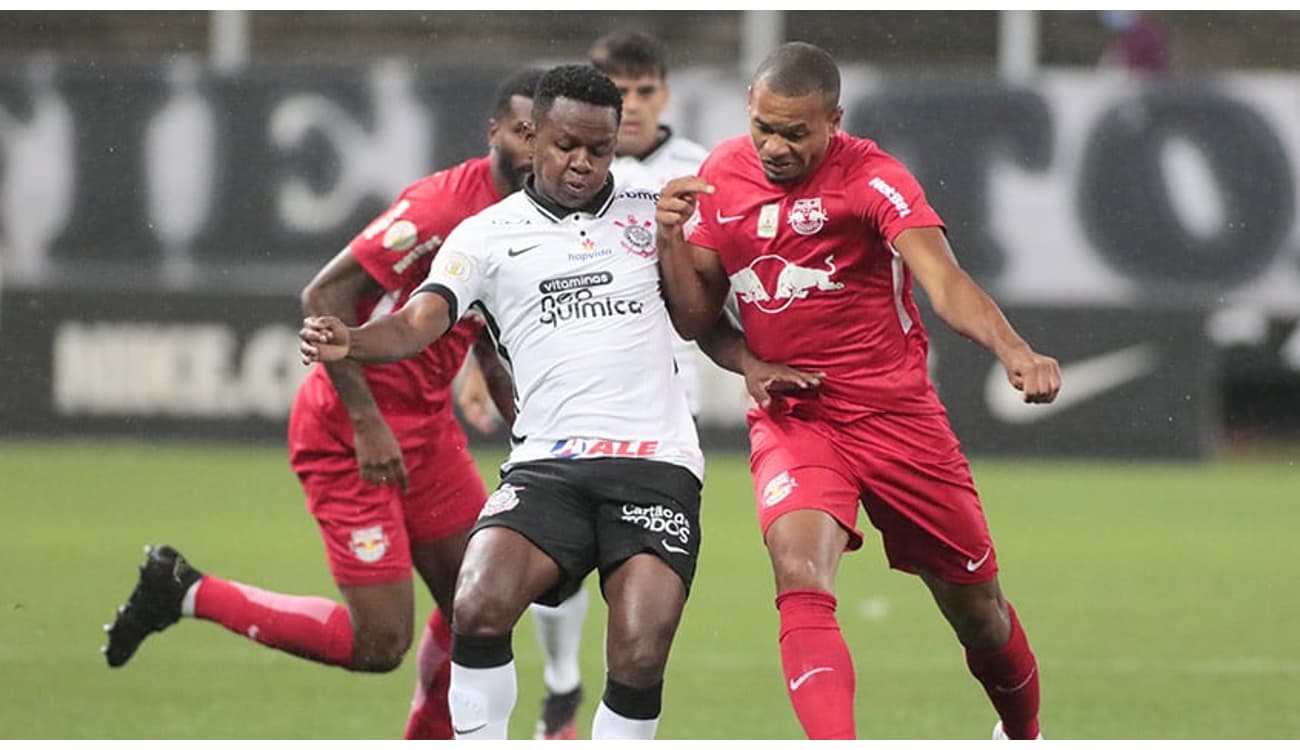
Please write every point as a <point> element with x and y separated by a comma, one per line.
<point>892,195</point>
<point>400,236</point>
<point>385,220</point>
<point>456,265</point>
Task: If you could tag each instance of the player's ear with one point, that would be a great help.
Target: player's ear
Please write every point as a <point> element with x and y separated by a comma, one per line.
<point>530,133</point>
<point>492,129</point>
<point>837,117</point>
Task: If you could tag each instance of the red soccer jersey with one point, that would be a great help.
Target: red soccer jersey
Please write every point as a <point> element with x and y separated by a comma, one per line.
<point>817,280</point>
<point>396,250</point>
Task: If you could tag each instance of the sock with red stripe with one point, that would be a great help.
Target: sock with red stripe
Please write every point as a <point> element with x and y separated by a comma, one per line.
<point>308,626</point>
<point>818,668</point>
<point>1010,677</point>
<point>430,717</point>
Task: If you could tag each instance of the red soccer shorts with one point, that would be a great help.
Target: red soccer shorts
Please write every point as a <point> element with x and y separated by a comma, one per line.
<point>907,472</point>
<point>369,529</point>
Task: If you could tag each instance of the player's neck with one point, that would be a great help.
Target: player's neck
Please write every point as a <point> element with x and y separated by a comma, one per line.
<point>592,206</point>
<point>664,133</point>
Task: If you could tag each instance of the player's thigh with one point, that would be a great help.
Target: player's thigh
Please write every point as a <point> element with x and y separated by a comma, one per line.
<point>444,498</point>
<point>541,502</point>
<point>362,526</point>
<point>382,615</point>
<point>650,507</point>
<point>920,494</point>
<point>795,468</point>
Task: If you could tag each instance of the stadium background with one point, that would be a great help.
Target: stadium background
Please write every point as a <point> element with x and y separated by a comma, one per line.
<point>168,182</point>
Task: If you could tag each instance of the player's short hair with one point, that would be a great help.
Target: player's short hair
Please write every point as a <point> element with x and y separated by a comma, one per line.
<point>800,69</point>
<point>631,54</point>
<point>581,83</point>
<point>522,82</point>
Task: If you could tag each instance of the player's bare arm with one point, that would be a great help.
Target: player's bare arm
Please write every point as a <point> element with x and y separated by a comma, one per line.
<point>500,386</point>
<point>695,284</point>
<point>420,322</point>
<point>727,348</point>
<point>969,310</point>
<point>336,290</point>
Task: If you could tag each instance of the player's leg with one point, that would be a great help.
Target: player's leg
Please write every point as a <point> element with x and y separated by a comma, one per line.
<point>365,545</point>
<point>997,650</point>
<point>559,632</point>
<point>445,496</point>
<point>648,534</point>
<point>645,599</point>
<point>533,542</point>
<point>807,511</point>
<point>924,501</point>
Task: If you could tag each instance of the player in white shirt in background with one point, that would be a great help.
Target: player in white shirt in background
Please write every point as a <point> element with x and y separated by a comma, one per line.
<point>648,153</point>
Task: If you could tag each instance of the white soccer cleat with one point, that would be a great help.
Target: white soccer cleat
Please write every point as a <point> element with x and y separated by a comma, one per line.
<point>999,734</point>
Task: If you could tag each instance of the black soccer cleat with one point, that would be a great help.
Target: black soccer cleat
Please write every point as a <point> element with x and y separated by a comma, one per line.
<point>559,714</point>
<point>154,605</point>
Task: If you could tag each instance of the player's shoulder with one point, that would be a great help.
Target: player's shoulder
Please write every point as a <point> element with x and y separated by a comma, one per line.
<point>680,149</point>
<point>461,179</point>
<point>632,189</point>
<point>864,154</point>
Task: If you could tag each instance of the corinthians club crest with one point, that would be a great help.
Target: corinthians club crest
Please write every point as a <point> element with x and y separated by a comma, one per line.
<point>637,237</point>
<point>807,216</point>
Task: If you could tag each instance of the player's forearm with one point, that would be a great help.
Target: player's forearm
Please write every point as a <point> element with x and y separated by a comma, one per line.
<point>725,345</point>
<point>691,307</point>
<point>970,311</point>
<point>394,337</point>
<point>329,294</point>
<point>500,386</point>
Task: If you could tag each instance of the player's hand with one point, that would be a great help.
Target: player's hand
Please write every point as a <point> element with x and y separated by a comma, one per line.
<point>1035,375</point>
<point>762,379</point>
<point>475,401</point>
<point>677,202</point>
<point>322,339</point>
<point>379,457</point>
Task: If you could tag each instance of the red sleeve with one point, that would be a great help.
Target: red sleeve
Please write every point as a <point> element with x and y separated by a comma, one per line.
<point>396,248</point>
<point>702,229</point>
<point>893,200</point>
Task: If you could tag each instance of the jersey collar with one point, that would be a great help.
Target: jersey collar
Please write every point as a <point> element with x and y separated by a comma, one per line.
<point>665,135</point>
<point>597,206</point>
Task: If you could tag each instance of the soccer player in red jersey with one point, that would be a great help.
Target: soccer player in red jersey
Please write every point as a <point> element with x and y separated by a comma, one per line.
<point>382,460</point>
<point>820,235</point>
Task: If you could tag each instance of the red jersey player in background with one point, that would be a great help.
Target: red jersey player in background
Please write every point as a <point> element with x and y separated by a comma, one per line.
<point>820,235</point>
<point>382,460</point>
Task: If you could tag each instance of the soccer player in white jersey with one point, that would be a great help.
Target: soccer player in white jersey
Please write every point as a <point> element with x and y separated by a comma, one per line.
<point>647,152</point>
<point>605,468</point>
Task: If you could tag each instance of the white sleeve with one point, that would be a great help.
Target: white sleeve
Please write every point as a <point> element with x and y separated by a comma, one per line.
<point>458,270</point>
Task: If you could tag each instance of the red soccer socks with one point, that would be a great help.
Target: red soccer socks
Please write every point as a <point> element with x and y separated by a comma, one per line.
<point>308,626</point>
<point>1010,677</point>
<point>818,669</point>
<point>430,717</point>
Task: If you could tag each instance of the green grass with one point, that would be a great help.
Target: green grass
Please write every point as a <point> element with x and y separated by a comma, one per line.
<point>1161,601</point>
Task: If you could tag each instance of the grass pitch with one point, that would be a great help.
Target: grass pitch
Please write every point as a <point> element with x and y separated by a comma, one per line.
<point>1161,601</point>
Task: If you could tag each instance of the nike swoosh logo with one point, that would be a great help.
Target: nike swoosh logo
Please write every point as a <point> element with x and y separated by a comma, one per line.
<point>671,548</point>
<point>727,219</point>
<point>472,730</point>
<point>513,252</point>
<point>1081,381</point>
<point>974,565</point>
<point>798,682</point>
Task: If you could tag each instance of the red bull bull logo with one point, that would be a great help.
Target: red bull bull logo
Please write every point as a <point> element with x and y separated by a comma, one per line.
<point>792,282</point>
<point>369,544</point>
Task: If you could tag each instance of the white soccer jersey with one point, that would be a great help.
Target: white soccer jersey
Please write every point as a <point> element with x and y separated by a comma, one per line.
<point>573,302</point>
<point>673,157</point>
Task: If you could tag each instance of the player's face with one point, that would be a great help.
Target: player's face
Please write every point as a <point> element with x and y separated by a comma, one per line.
<point>573,147</point>
<point>790,133</point>
<point>512,154</point>
<point>644,99</point>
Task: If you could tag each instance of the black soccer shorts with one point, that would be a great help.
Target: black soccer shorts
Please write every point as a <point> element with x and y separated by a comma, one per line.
<point>592,514</point>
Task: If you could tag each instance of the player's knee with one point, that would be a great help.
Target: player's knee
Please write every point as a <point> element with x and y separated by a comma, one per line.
<point>795,569</point>
<point>639,658</point>
<point>983,626</point>
<point>482,615</point>
<point>380,649</point>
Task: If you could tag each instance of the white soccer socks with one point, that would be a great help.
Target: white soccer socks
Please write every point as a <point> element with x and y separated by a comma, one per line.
<point>559,631</point>
<point>483,686</point>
